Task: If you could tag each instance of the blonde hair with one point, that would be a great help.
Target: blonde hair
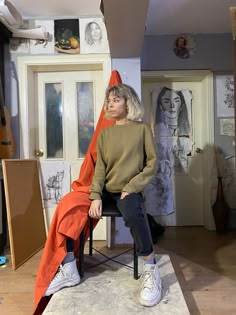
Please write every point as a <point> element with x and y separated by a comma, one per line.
<point>135,108</point>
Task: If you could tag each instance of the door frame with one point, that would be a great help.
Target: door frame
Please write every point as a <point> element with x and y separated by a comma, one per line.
<point>206,77</point>
<point>28,67</point>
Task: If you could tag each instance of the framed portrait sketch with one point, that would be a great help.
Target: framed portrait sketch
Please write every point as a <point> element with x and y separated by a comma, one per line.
<point>225,95</point>
<point>184,46</point>
<point>93,36</point>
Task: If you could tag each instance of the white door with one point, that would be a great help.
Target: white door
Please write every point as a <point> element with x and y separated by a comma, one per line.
<point>182,199</point>
<point>68,107</point>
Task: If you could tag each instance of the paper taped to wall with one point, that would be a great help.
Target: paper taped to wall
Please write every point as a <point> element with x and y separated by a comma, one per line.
<point>227,127</point>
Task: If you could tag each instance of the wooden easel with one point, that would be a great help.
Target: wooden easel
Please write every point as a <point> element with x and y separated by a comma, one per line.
<point>233,23</point>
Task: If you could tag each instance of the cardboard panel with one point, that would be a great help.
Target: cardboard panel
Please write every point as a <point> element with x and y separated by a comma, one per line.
<point>24,209</point>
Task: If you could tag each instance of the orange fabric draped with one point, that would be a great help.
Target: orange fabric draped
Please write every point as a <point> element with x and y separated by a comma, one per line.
<point>70,217</point>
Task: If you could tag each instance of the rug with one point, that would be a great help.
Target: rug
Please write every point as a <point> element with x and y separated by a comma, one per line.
<point>110,289</point>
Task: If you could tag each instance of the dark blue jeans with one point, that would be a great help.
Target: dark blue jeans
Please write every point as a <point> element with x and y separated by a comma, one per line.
<point>132,210</point>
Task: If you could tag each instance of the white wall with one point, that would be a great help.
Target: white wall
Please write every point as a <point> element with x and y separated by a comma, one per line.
<point>130,71</point>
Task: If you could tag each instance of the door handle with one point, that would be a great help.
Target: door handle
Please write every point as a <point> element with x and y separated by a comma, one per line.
<point>39,152</point>
<point>198,150</point>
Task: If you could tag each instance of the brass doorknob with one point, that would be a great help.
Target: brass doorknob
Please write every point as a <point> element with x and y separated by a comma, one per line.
<point>198,150</point>
<point>39,152</point>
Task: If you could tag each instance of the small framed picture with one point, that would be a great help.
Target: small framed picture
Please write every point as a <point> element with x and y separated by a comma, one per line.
<point>184,46</point>
<point>225,95</point>
<point>47,47</point>
<point>93,36</point>
<point>67,36</point>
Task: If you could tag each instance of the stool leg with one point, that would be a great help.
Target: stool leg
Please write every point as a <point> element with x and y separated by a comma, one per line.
<point>135,264</point>
<point>90,236</point>
<point>81,254</point>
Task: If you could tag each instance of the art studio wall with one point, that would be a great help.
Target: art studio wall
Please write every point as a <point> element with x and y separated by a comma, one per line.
<point>213,52</point>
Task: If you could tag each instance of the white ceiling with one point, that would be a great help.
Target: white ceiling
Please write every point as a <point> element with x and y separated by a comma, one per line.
<point>164,16</point>
<point>189,16</point>
<point>44,9</point>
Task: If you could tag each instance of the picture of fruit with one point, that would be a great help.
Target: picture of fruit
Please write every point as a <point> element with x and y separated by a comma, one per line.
<point>64,44</point>
<point>74,42</point>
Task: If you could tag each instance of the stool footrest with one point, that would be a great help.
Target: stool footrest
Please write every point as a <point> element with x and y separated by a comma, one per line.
<point>111,259</point>
<point>81,252</point>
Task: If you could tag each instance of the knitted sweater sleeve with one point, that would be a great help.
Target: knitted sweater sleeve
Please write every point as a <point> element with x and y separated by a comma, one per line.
<point>100,172</point>
<point>138,182</point>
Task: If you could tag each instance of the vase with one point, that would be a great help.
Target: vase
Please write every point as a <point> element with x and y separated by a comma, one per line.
<point>220,209</point>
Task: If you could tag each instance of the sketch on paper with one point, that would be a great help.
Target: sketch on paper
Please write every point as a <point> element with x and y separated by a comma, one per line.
<point>38,47</point>
<point>172,153</point>
<point>225,95</point>
<point>181,148</point>
<point>229,92</point>
<point>55,181</point>
<point>158,197</point>
<point>93,36</point>
<point>173,111</point>
<point>227,127</point>
<point>54,187</point>
<point>173,144</point>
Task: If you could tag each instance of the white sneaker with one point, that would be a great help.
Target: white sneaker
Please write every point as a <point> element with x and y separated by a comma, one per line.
<point>67,276</point>
<point>150,280</point>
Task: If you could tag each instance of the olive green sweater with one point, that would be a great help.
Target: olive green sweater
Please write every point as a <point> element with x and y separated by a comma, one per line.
<point>126,159</point>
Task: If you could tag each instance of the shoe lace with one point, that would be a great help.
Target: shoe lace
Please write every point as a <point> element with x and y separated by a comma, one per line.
<point>147,280</point>
<point>58,273</point>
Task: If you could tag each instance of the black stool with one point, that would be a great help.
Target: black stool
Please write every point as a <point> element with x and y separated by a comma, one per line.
<point>109,210</point>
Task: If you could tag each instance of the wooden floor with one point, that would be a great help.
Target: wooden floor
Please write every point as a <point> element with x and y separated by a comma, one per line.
<point>204,262</point>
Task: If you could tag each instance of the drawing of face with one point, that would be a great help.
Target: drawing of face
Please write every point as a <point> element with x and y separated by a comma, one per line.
<point>170,105</point>
<point>95,31</point>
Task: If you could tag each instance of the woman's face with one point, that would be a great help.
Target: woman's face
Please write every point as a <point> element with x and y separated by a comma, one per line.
<point>170,105</point>
<point>95,31</point>
<point>117,107</point>
<point>181,42</point>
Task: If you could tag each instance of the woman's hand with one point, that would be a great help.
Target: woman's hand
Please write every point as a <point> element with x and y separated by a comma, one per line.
<point>124,194</point>
<point>95,210</point>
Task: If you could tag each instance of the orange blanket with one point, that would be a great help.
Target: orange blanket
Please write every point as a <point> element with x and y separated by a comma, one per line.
<point>70,217</point>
